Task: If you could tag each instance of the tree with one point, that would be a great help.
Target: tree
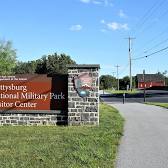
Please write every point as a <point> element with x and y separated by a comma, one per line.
<point>134,82</point>
<point>124,82</point>
<point>107,82</point>
<point>25,67</point>
<point>164,74</point>
<point>57,63</point>
<point>41,67</point>
<point>7,58</point>
<point>51,64</point>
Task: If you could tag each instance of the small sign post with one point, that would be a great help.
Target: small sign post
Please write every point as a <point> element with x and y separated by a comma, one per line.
<point>123,98</point>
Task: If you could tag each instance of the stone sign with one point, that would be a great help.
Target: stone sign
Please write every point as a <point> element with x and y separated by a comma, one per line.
<point>83,94</point>
<point>33,93</point>
<point>71,99</point>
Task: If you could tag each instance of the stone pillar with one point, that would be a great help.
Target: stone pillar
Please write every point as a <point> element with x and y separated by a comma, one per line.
<point>83,94</point>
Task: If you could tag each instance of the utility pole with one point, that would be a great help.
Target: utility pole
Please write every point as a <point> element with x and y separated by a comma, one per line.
<point>113,74</point>
<point>118,85</point>
<point>130,59</point>
<point>144,85</point>
<point>113,84</point>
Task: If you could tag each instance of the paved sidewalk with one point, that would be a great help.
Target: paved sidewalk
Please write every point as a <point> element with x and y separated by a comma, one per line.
<point>145,140</point>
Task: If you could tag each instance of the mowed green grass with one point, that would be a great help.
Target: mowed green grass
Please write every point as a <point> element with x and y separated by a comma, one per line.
<point>63,147</point>
<point>165,105</point>
<point>134,91</point>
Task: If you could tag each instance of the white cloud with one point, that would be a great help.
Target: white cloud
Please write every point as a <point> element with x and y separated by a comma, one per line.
<point>125,26</point>
<point>98,2</point>
<point>113,26</point>
<point>77,27</point>
<point>85,1</point>
<point>108,3</point>
<point>102,21</point>
<point>117,26</point>
<point>122,14</point>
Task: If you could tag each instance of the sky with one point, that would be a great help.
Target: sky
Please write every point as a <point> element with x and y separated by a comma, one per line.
<point>90,31</point>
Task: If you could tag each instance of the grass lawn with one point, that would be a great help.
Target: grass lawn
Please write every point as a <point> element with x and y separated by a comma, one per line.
<point>165,105</point>
<point>62,147</point>
<point>122,91</point>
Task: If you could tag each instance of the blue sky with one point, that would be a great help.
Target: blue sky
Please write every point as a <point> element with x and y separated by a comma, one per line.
<point>90,31</point>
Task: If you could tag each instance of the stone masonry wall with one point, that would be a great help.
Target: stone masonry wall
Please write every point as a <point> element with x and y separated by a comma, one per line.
<point>32,119</point>
<point>83,111</point>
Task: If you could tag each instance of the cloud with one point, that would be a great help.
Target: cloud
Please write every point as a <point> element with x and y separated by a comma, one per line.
<point>125,26</point>
<point>85,1</point>
<point>98,2</point>
<point>108,3</point>
<point>117,26</point>
<point>113,26</point>
<point>122,14</point>
<point>77,27</point>
<point>102,21</point>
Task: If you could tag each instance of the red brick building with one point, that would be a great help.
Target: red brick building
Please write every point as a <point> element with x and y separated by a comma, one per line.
<point>150,80</point>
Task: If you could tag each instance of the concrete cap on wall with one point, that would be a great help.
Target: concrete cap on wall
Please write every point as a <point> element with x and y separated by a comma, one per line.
<point>87,66</point>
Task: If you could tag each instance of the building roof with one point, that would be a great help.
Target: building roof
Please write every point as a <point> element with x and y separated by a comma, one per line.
<point>150,77</point>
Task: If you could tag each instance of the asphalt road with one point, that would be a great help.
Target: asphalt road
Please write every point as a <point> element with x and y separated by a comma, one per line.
<point>145,140</point>
<point>151,96</point>
<point>163,99</point>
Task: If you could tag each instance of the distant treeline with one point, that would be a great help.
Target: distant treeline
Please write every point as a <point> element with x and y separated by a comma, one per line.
<point>110,82</point>
<point>49,64</point>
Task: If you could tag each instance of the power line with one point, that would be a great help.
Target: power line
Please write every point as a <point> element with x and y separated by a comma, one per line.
<point>158,35</point>
<point>146,14</point>
<point>158,5</point>
<point>155,38</point>
<point>151,54</point>
<point>149,13</point>
<point>164,13</point>
<point>124,69</point>
<point>164,31</point>
<point>156,45</point>
<point>153,22</point>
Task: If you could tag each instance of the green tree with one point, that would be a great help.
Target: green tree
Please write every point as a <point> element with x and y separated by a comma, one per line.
<point>25,67</point>
<point>7,58</point>
<point>164,74</point>
<point>57,63</point>
<point>41,66</point>
<point>107,82</point>
<point>124,82</point>
<point>51,64</point>
<point>134,82</point>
